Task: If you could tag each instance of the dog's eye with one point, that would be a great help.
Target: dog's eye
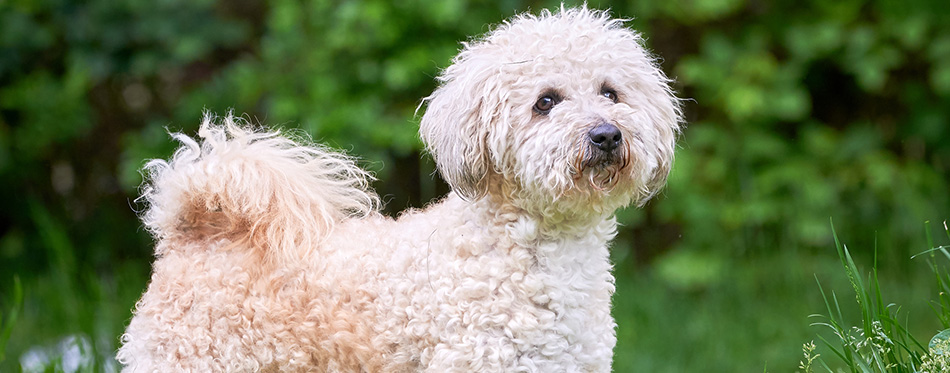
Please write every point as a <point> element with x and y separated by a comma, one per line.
<point>610,94</point>
<point>544,104</point>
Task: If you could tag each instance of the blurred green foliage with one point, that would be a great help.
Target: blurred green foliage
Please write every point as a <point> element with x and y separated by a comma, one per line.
<point>810,110</point>
<point>798,111</point>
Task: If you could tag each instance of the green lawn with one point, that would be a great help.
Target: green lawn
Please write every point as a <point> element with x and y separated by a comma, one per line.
<point>748,314</point>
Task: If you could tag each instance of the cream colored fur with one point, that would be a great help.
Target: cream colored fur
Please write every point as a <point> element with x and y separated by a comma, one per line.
<point>271,255</point>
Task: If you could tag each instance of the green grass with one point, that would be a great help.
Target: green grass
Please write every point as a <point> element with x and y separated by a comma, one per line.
<point>754,314</point>
<point>85,317</point>
<point>9,318</point>
<point>882,340</point>
<point>748,313</point>
<point>70,318</point>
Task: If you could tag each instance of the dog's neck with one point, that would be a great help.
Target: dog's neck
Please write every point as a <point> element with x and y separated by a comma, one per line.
<point>531,225</point>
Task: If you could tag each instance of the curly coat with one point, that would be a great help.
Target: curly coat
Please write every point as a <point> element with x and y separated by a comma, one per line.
<point>271,255</point>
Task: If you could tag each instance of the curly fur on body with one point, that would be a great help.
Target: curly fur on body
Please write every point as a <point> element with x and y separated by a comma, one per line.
<point>271,254</point>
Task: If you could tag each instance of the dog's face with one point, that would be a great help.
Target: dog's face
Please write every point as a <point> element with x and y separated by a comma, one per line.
<point>558,107</point>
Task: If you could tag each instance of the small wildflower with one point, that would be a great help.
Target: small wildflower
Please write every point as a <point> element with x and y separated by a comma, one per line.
<point>940,343</point>
<point>810,356</point>
<point>934,364</point>
<point>938,359</point>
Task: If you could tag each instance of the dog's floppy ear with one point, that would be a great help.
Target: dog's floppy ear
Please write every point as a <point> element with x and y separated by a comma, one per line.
<point>458,118</point>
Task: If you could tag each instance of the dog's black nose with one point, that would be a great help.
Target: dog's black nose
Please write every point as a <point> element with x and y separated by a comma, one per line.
<point>605,137</point>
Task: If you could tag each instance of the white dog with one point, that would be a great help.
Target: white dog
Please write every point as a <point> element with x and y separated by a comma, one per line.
<point>271,255</point>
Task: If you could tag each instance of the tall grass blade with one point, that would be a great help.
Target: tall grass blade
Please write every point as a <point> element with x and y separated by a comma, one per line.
<point>7,322</point>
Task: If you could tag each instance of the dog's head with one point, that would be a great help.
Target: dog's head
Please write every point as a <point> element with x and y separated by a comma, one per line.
<point>564,106</point>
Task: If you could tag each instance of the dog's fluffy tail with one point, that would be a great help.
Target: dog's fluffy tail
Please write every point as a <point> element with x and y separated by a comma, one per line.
<point>254,187</point>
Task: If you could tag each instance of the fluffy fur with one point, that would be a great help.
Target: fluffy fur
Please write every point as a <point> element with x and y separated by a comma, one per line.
<point>271,255</point>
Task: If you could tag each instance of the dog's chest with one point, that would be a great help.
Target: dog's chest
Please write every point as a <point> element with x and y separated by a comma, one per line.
<point>574,286</point>
<point>549,303</point>
<point>493,294</point>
